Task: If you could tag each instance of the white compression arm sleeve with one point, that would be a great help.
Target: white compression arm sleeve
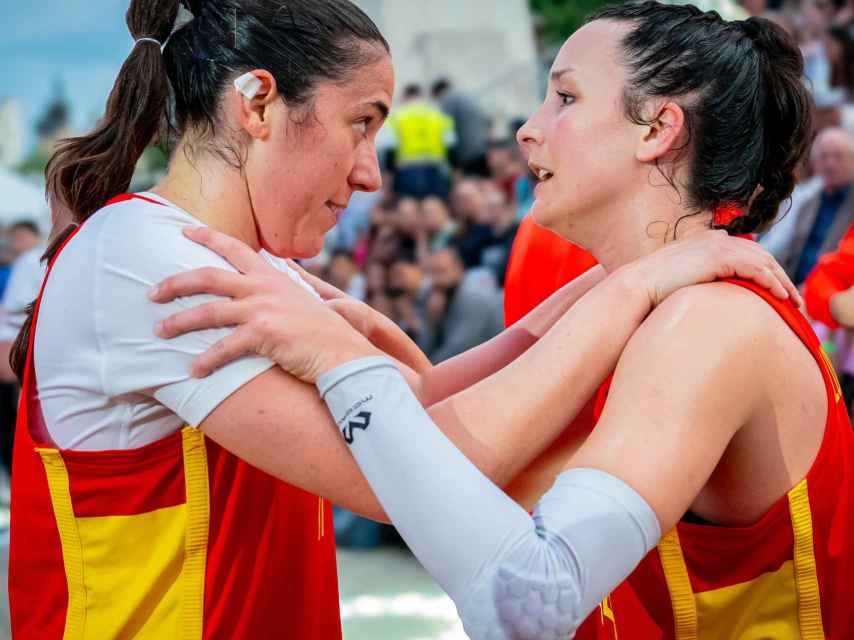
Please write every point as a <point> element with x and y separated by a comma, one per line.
<point>510,576</point>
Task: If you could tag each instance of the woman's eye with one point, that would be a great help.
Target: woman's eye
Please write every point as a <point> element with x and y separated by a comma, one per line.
<point>362,126</point>
<point>566,98</point>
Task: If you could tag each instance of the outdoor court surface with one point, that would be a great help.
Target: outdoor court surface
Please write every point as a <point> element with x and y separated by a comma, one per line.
<point>385,595</point>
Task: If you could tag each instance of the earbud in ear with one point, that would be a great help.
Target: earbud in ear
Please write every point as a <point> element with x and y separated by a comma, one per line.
<point>247,85</point>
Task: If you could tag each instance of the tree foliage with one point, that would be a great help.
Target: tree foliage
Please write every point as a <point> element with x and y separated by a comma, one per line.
<point>560,18</point>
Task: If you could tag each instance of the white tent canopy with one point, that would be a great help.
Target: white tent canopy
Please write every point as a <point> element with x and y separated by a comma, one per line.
<point>20,199</point>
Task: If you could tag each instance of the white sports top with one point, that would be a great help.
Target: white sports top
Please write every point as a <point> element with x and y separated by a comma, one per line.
<point>105,381</point>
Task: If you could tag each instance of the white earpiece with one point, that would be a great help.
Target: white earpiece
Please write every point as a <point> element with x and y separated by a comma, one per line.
<point>247,85</point>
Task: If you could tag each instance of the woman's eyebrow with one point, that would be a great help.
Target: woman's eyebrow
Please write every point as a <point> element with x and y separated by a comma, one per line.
<point>381,107</point>
<point>557,74</point>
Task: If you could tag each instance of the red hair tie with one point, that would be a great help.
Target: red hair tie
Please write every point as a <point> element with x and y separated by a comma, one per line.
<point>725,214</point>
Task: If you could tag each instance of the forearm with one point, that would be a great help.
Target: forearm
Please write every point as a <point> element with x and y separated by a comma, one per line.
<point>842,308</point>
<point>586,535</point>
<point>514,414</point>
<point>466,369</point>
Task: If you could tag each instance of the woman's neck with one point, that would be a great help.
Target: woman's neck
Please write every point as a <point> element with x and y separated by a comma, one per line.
<point>641,225</point>
<point>211,191</point>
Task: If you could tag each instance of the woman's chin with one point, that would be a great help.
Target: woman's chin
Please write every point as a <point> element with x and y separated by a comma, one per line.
<point>544,216</point>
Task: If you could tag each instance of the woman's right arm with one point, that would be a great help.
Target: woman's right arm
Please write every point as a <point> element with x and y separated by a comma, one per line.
<point>280,425</point>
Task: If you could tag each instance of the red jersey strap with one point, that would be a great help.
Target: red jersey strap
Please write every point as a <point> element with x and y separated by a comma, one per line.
<point>796,321</point>
<point>131,196</point>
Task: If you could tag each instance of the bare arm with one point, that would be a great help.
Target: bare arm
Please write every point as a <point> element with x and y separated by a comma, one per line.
<point>466,369</point>
<point>501,423</point>
<point>678,398</point>
<point>447,378</point>
<point>277,423</point>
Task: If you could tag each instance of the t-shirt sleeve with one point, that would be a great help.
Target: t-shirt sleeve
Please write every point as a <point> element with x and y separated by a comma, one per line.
<point>135,361</point>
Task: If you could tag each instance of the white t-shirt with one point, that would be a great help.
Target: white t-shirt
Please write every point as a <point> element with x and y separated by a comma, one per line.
<point>105,381</point>
<point>23,287</point>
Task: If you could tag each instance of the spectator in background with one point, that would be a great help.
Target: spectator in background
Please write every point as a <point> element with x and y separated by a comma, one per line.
<point>423,136</point>
<point>343,272</point>
<point>506,166</point>
<point>822,209</point>
<point>829,297</point>
<point>465,307</point>
<point>408,290</point>
<point>473,128</point>
<point>440,228</point>
<point>26,246</point>
<point>488,225</point>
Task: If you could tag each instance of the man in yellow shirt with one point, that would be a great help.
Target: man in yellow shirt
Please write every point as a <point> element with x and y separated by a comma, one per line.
<point>423,137</point>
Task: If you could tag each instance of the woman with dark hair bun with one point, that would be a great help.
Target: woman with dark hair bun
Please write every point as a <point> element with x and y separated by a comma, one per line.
<point>150,503</point>
<point>718,478</point>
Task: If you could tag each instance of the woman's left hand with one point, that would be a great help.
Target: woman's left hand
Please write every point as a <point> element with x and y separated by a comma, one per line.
<point>274,316</point>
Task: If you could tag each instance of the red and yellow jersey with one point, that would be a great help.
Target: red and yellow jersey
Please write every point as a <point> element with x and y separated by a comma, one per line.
<point>787,576</point>
<point>834,273</point>
<point>177,539</point>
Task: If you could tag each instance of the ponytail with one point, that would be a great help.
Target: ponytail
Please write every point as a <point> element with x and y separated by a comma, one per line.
<point>88,170</point>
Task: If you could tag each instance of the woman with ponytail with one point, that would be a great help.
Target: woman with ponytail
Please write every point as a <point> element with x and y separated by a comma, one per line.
<point>718,477</point>
<point>153,503</point>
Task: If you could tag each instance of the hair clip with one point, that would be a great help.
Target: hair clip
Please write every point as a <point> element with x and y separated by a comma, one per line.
<point>726,213</point>
<point>247,85</point>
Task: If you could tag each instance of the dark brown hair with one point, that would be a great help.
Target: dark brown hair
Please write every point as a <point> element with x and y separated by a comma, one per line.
<point>300,42</point>
<point>747,111</point>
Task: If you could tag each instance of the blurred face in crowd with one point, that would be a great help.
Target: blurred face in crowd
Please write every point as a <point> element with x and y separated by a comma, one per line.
<point>375,277</point>
<point>341,270</point>
<point>435,214</point>
<point>445,269</point>
<point>833,158</point>
<point>469,202</point>
<point>500,160</point>
<point>405,276</point>
<point>579,143</point>
<point>386,244</point>
<point>22,239</point>
<point>408,215</point>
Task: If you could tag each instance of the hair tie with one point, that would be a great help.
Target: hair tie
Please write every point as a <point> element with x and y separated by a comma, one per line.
<point>157,42</point>
<point>724,214</point>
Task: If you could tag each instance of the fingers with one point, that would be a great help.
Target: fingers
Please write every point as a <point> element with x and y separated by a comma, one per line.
<point>786,288</point>
<point>213,315</point>
<point>230,348</point>
<point>207,280</point>
<point>323,288</point>
<point>240,255</point>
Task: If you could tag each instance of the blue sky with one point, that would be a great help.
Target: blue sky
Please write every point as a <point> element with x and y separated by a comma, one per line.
<point>81,43</point>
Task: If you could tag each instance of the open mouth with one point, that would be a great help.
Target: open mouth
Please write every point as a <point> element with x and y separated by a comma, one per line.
<point>541,174</point>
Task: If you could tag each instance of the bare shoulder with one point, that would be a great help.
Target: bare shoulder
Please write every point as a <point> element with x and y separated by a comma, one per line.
<point>717,314</point>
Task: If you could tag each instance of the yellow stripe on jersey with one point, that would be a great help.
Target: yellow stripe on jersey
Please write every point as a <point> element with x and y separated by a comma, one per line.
<point>196,542</point>
<point>69,537</point>
<point>679,585</point>
<point>806,575</point>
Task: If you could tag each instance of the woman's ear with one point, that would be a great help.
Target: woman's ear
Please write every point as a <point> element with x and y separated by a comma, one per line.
<point>253,95</point>
<point>662,134</point>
